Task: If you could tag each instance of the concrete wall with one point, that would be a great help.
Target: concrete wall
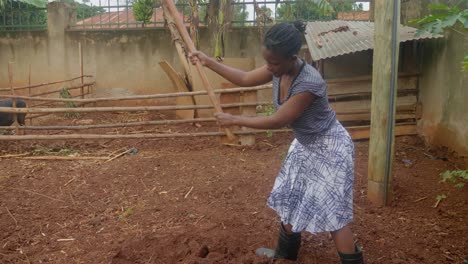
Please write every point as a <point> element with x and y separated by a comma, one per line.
<point>443,87</point>
<point>123,62</point>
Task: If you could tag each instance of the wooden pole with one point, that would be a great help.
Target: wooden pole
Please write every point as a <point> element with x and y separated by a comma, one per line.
<point>136,97</point>
<point>356,132</point>
<point>120,109</point>
<point>116,125</point>
<point>29,80</point>
<point>191,48</point>
<point>80,51</point>
<point>42,84</point>
<point>29,90</point>
<point>385,69</point>
<point>130,136</point>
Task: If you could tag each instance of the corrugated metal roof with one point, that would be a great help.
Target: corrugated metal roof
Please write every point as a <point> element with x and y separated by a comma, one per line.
<point>326,39</point>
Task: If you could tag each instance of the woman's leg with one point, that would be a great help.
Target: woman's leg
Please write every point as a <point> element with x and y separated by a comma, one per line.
<point>287,246</point>
<point>348,251</point>
<point>344,240</point>
<point>288,228</point>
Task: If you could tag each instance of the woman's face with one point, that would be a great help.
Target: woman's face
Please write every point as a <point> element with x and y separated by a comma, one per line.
<point>278,64</point>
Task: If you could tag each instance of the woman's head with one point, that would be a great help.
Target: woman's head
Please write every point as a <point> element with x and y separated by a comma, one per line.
<point>281,45</point>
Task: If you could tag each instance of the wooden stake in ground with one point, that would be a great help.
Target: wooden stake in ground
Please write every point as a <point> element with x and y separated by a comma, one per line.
<point>383,106</point>
<point>80,51</point>
<point>191,48</point>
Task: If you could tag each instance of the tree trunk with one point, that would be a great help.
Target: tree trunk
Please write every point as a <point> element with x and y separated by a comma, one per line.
<point>194,23</point>
<point>218,18</point>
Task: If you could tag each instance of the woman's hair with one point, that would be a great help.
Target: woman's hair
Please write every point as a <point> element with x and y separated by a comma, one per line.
<point>285,38</point>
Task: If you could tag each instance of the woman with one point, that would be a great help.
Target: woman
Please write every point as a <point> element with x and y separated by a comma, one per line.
<point>314,189</point>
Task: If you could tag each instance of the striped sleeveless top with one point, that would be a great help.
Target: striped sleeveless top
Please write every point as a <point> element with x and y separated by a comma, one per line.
<point>318,117</point>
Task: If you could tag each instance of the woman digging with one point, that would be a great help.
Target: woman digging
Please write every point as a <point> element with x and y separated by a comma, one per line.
<point>314,189</point>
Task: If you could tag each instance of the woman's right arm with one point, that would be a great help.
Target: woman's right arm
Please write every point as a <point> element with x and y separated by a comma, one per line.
<point>251,78</point>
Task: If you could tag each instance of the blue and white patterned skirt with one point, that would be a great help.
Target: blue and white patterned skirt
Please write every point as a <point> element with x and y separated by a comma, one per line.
<point>314,189</point>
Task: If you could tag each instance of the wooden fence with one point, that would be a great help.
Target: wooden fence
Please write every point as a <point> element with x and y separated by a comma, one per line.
<point>350,98</point>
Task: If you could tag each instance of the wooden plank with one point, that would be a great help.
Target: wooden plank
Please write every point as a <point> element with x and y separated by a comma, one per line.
<point>367,116</point>
<point>248,97</point>
<point>340,87</point>
<point>230,98</point>
<point>360,133</point>
<point>181,87</point>
<point>405,103</point>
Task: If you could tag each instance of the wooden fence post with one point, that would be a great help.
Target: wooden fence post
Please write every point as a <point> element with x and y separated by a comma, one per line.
<point>384,83</point>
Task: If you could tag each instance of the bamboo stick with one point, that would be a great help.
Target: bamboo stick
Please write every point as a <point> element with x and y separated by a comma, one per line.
<point>115,125</point>
<point>140,97</point>
<point>40,115</point>
<point>44,84</point>
<point>191,48</point>
<point>58,90</point>
<point>130,136</point>
<point>332,97</point>
<point>357,132</point>
<point>121,109</point>
<point>55,102</point>
<point>348,116</point>
<point>61,158</point>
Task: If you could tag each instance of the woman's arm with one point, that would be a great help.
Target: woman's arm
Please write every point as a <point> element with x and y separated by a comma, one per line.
<point>251,78</point>
<point>285,115</point>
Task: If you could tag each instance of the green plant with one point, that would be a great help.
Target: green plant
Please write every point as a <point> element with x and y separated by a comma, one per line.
<point>126,214</point>
<point>143,10</point>
<point>465,63</point>
<point>444,17</point>
<point>439,198</point>
<point>36,3</point>
<point>268,111</point>
<point>41,150</point>
<point>64,93</point>
<point>456,177</point>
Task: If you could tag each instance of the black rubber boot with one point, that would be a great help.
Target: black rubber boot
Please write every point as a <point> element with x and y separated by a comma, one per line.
<point>354,258</point>
<point>287,247</point>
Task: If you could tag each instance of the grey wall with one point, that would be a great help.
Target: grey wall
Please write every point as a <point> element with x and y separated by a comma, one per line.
<point>443,87</point>
<point>123,62</point>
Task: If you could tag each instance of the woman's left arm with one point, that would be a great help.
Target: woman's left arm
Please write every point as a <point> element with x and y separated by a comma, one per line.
<point>285,115</point>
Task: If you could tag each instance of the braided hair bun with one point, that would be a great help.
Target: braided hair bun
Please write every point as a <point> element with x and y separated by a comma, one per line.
<point>300,26</point>
<point>285,38</point>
